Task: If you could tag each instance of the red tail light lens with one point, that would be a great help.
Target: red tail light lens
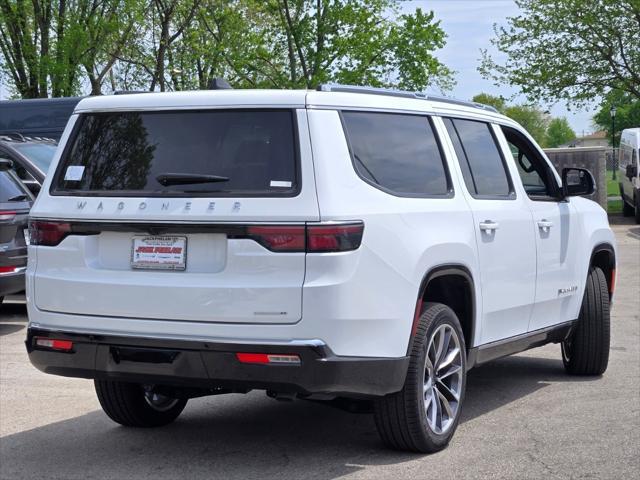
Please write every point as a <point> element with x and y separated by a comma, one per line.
<point>334,238</point>
<point>8,269</point>
<point>268,358</point>
<point>6,215</point>
<point>48,234</point>
<point>285,238</point>
<point>312,238</point>
<point>54,344</point>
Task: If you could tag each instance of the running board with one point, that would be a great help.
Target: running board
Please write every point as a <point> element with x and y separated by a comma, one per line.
<point>502,348</point>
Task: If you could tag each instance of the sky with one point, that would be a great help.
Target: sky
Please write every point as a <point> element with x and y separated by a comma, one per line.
<point>469,27</point>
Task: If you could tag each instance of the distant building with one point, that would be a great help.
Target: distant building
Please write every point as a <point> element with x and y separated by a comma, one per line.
<point>595,139</point>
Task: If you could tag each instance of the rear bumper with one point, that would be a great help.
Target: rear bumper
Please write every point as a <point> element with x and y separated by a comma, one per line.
<point>214,365</point>
<point>12,282</point>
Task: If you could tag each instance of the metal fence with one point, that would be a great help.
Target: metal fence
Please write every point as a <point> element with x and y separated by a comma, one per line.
<point>612,159</point>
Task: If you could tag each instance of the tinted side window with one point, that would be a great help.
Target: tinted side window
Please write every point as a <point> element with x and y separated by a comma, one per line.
<point>487,171</point>
<point>462,157</point>
<point>537,177</point>
<point>398,153</point>
<point>10,187</point>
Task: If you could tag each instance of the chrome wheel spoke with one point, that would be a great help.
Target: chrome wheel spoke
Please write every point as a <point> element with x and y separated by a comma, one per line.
<point>449,358</point>
<point>455,368</point>
<point>446,391</point>
<point>442,387</point>
<point>445,403</point>
<point>435,412</point>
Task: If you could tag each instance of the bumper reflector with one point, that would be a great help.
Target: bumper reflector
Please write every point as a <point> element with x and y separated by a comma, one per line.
<point>52,344</point>
<point>268,358</point>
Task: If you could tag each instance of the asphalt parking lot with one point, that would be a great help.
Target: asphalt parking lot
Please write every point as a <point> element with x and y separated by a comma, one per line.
<point>523,418</point>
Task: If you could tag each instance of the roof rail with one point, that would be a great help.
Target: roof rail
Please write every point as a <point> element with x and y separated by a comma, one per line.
<point>15,136</point>
<point>130,92</point>
<point>335,87</point>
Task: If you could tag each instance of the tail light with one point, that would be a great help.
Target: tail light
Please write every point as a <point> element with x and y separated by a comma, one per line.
<point>6,215</point>
<point>8,269</point>
<point>54,344</point>
<point>283,238</point>
<point>48,233</point>
<point>268,358</point>
<point>340,237</point>
<point>334,238</point>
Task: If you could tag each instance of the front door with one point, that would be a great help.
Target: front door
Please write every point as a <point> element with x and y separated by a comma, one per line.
<point>557,296</point>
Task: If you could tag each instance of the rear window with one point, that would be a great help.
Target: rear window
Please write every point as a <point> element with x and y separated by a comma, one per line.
<point>224,152</point>
<point>40,154</point>
<point>11,188</point>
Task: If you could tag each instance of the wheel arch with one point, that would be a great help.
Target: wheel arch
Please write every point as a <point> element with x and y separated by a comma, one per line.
<point>603,256</point>
<point>459,278</point>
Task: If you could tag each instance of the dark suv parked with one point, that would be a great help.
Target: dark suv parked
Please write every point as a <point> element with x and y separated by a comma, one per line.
<point>31,157</point>
<point>40,117</point>
<point>15,202</point>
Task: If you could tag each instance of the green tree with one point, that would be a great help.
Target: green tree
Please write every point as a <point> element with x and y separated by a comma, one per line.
<point>499,103</point>
<point>532,119</point>
<point>627,113</point>
<point>559,132</point>
<point>45,45</point>
<point>366,42</point>
<point>573,50</point>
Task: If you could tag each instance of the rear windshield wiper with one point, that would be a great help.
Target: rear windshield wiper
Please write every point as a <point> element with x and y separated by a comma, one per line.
<point>167,179</point>
<point>18,198</point>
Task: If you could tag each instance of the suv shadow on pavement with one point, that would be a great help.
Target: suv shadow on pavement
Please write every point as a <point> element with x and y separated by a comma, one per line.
<point>251,436</point>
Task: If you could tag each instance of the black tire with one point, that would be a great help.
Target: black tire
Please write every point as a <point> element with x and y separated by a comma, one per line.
<point>401,418</point>
<point>586,351</point>
<point>627,210</point>
<point>128,405</point>
<point>637,209</point>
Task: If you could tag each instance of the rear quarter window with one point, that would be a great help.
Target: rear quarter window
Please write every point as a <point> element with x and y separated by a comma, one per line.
<point>397,153</point>
<point>123,153</point>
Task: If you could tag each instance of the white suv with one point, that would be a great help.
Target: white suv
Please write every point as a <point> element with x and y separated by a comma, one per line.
<point>341,243</point>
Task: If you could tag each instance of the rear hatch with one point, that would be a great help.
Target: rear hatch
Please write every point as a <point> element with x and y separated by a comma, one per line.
<point>15,201</point>
<point>193,215</point>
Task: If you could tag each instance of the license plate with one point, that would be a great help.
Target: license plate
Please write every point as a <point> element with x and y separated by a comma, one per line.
<point>27,237</point>
<point>159,253</point>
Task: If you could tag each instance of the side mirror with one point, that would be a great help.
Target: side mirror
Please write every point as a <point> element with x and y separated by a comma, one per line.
<point>632,171</point>
<point>5,164</point>
<point>577,182</point>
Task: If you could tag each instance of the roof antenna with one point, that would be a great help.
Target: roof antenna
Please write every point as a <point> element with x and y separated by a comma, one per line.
<point>219,84</point>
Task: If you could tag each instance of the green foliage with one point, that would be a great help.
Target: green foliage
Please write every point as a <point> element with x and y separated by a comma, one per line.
<point>559,132</point>
<point>45,44</point>
<point>541,127</point>
<point>627,113</point>
<point>573,50</point>
<point>532,119</point>
<point>57,47</point>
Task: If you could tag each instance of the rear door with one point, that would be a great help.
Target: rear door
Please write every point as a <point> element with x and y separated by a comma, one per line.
<point>179,215</point>
<point>504,236</point>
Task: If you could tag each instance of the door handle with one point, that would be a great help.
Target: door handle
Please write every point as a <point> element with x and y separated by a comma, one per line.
<point>489,226</point>
<point>545,224</point>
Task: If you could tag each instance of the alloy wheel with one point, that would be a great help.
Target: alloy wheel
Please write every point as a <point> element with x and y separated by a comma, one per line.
<point>442,379</point>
